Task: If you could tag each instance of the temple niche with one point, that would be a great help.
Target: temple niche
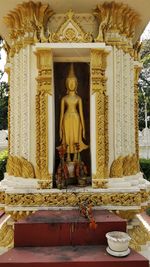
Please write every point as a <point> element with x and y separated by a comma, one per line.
<point>73,108</point>
<point>72,117</point>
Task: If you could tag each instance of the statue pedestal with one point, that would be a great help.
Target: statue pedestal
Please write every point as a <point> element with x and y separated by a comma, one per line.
<point>72,180</point>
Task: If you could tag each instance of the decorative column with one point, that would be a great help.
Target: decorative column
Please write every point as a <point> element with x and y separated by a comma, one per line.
<point>27,24</point>
<point>98,80</point>
<point>44,89</point>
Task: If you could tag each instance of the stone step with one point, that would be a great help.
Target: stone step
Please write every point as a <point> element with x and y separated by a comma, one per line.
<point>65,228</point>
<point>77,256</point>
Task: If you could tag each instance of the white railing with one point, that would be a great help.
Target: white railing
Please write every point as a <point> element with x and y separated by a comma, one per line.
<point>144,143</point>
<point>3,139</point>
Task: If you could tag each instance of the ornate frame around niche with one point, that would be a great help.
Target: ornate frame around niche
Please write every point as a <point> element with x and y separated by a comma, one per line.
<point>98,90</point>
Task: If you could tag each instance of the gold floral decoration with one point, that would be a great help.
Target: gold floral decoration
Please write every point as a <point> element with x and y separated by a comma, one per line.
<point>124,166</point>
<point>28,24</point>
<point>20,167</point>
<point>115,17</point>
<point>116,169</point>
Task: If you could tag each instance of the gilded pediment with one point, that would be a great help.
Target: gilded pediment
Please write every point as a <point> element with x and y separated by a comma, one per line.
<point>70,31</point>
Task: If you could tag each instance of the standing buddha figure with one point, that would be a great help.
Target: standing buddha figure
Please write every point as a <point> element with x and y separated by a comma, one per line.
<point>72,127</point>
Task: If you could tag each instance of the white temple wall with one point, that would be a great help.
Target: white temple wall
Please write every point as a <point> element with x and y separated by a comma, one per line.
<point>126,105</point>
<point>118,101</point>
<point>12,109</point>
<point>128,122</point>
<point>120,88</point>
<point>132,114</point>
<point>25,104</point>
<point>17,100</point>
<point>22,101</point>
<point>33,73</point>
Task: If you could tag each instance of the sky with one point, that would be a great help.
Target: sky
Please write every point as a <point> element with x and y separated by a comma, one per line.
<point>145,35</point>
<point>2,64</point>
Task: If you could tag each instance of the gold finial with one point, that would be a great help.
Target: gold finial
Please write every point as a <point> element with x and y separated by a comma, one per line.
<point>70,14</point>
<point>71,71</point>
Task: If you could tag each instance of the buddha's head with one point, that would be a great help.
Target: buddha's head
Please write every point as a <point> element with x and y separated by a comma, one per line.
<point>71,81</point>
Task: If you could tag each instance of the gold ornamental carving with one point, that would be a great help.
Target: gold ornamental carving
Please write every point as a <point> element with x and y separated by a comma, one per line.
<point>124,166</point>
<point>44,89</point>
<point>2,197</point>
<point>116,169</point>
<point>20,167</point>
<point>28,23</point>
<point>136,107</point>
<point>19,215</point>
<point>137,49</point>
<point>139,236</point>
<point>72,199</point>
<point>70,31</point>
<point>7,235</point>
<point>100,183</point>
<point>98,78</point>
<point>127,214</point>
<point>117,22</point>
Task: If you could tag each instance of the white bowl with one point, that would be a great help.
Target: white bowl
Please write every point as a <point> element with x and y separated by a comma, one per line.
<point>118,241</point>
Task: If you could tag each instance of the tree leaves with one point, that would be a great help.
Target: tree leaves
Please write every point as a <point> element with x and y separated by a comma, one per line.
<point>144,85</point>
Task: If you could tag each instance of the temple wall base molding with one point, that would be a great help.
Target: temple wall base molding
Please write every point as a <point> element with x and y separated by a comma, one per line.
<point>128,193</point>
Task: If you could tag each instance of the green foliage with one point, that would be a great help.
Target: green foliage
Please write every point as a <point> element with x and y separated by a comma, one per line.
<point>145,168</point>
<point>148,211</point>
<point>144,85</point>
<point>3,161</point>
<point>3,105</point>
<point>3,98</point>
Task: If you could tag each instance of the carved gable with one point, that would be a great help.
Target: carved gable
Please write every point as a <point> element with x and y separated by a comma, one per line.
<point>70,31</point>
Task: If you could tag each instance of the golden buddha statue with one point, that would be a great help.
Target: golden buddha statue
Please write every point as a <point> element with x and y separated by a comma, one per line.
<point>72,127</point>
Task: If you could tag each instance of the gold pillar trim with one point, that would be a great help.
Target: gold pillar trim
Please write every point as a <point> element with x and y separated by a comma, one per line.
<point>98,79</point>
<point>53,199</point>
<point>136,108</point>
<point>20,167</point>
<point>44,88</point>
